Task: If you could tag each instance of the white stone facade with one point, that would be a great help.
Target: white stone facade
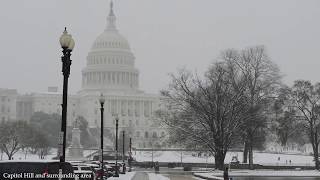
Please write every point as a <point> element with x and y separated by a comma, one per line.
<point>8,99</point>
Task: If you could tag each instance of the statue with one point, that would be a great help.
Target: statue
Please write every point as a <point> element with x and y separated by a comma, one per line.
<point>76,149</point>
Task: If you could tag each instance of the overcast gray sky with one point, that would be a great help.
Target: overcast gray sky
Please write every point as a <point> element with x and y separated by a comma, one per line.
<point>164,35</point>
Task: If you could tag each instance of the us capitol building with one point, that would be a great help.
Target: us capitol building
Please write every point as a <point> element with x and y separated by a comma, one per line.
<point>110,70</point>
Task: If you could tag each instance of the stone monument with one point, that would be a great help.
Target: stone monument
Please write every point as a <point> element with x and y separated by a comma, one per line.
<point>76,149</point>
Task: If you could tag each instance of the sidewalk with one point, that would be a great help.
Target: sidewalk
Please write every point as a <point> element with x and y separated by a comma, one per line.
<point>260,173</point>
<point>126,176</point>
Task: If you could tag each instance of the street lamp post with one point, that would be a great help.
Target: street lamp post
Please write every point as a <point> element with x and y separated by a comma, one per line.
<point>101,100</point>
<point>67,44</point>
<point>130,154</point>
<point>117,172</point>
<point>123,141</point>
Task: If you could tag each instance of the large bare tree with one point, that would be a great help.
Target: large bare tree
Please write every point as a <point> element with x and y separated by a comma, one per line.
<point>306,99</point>
<point>262,79</point>
<point>11,136</point>
<point>208,112</point>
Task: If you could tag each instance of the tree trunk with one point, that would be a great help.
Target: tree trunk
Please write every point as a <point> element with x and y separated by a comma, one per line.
<point>316,155</point>
<point>251,156</point>
<point>245,153</point>
<point>25,154</point>
<point>219,160</point>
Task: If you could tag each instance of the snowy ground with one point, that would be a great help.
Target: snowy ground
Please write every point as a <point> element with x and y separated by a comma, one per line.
<point>262,173</point>
<point>259,158</point>
<point>20,155</point>
<point>175,156</point>
<point>153,176</point>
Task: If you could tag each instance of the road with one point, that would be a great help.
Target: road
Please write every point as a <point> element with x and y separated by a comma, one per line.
<point>179,177</point>
<point>140,176</point>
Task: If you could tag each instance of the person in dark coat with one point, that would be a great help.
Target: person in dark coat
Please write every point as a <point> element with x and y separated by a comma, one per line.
<point>226,174</point>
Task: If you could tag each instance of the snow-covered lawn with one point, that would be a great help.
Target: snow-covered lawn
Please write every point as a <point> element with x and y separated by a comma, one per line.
<point>127,176</point>
<point>21,156</point>
<point>175,156</point>
<point>259,158</point>
<point>153,176</point>
<point>262,173</point>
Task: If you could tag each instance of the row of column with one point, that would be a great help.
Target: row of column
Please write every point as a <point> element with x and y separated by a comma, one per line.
<point>120,78</point>
<point>132,108</point>
<point>109,60</point>
<point>24,110</point>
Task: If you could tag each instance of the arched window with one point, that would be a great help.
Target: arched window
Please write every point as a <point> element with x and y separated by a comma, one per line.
<point>154,135</point>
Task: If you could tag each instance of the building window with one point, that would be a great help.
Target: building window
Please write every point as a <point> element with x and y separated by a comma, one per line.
<point>162,134</point>
<point>138,134</point>
<point>154,135</point>
<point>146,134</point>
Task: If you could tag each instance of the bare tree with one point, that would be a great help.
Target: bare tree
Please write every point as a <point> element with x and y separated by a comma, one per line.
<point>284,123</point>
<point>11,137</point>
<point>262,79</point>
<point>306,99</point>
<point>206,113</point>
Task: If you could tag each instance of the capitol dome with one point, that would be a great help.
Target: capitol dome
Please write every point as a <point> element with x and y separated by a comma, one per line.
<point>110,40</point>
<point>110,62</point>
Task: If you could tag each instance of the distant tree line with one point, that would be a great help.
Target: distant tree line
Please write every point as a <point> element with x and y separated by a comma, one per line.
<point>38,135</point>
<point>239,102</point>
<point>21,135</point>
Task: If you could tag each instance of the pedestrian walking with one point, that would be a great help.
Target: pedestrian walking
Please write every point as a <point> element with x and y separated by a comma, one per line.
<point>156,167</point>
<point>226,174</point>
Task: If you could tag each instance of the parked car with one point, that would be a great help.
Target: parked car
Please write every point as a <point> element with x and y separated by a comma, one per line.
<point>37,169</point>
<point>96,166</point>
<point>120,166</point>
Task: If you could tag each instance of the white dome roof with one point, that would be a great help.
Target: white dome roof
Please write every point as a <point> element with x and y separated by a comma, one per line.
<point>110,39</point>
<point>110,62</point>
